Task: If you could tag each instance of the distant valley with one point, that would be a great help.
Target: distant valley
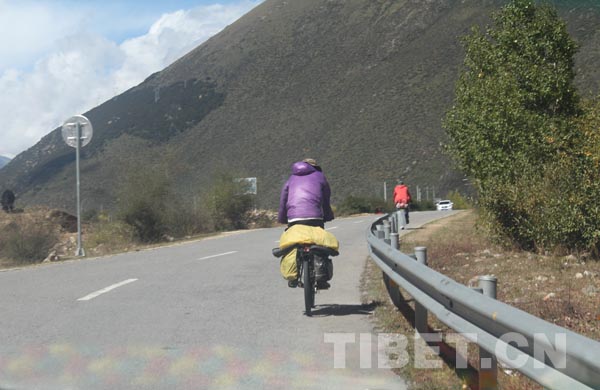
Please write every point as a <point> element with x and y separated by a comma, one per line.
<point>4,161</point>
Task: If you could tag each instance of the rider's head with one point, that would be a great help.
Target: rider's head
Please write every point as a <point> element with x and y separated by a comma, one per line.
<point>311,161</point>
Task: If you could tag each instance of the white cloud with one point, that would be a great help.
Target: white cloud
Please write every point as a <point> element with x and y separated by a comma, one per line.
<point>85,69</point>
<point>28,30</point>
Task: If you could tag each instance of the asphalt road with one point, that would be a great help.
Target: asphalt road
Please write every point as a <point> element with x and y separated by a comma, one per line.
<point>210,314</point>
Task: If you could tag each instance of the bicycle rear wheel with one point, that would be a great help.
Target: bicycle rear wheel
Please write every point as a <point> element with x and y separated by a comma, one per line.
<point>309,290</point>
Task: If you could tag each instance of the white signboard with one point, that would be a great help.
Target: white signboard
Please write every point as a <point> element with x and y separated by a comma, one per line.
<point>249,185</point>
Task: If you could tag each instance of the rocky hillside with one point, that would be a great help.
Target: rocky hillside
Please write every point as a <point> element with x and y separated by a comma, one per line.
<point>359,85</point>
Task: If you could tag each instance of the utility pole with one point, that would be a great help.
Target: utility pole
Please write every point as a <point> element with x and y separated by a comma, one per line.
<point>385,191</point>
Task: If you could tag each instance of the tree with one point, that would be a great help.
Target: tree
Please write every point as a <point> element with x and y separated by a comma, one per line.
<point>8,201</point>
<point>516,94</point>
<point>513,119</point>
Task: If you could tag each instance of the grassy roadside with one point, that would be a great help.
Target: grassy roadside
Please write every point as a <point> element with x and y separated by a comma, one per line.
<point>561,290</point>
<point>26,239</point>
<point>39,234</point>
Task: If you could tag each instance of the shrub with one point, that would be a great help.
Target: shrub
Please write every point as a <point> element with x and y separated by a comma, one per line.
<point>146,221</point>
<point>90,215</point>
<point>229,203</point>
<point>106,236</point>
<point>357,205</point>
<point>460,202</point>
<point>187,217</point>
<point>423,205</point>
<point>28,240</point>
<point>143,199</point>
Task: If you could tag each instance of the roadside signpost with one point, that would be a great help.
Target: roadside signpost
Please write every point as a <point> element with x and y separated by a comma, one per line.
<point>77,132</point>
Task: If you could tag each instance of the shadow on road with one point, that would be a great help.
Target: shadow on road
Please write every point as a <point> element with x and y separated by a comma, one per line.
<point>344,310</point>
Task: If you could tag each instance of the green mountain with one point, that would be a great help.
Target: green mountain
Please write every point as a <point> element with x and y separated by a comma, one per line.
<point>359,85</point>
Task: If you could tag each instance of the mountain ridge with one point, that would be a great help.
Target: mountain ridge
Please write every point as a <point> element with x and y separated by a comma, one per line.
<point>359,85</point>
<point>4,161</point>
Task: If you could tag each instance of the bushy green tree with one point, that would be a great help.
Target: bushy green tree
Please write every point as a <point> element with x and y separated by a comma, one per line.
<point>518,130</point>
<point>515,96</point>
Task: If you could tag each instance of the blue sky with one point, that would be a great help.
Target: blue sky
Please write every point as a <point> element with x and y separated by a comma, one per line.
<point>51,48</point>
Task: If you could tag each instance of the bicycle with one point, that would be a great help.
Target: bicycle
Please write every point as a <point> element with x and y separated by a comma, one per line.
<point>305,263</point>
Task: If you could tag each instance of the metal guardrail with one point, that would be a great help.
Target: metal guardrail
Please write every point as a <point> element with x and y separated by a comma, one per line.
<point>572,362</point>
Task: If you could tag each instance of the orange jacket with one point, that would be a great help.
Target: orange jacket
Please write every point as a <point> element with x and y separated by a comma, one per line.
<point>401,194</point>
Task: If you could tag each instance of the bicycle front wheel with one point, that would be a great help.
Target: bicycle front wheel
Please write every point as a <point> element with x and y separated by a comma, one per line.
<point>309,290</point>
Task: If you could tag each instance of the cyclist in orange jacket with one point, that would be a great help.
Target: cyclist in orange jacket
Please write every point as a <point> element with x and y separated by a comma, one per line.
<point>402,198</point>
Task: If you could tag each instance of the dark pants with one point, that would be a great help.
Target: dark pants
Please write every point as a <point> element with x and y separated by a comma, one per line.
<point>405,209</point>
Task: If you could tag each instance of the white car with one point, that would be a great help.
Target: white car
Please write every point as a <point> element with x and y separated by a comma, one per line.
<point>444,205</point>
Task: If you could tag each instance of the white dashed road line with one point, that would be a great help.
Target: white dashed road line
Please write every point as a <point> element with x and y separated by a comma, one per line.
<point>331,228</point>
<point>219,255</point>
<point>105,290</point>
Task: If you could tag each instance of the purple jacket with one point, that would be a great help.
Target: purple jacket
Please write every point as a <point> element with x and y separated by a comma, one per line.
<point>305,195</point>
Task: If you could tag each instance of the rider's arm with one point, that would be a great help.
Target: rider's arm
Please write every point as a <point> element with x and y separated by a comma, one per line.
<point>327,211</point>
<point>282,215</point>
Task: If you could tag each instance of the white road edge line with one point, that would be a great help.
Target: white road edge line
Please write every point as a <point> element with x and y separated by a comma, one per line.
<point>219,255</point>
<point>105,290</point>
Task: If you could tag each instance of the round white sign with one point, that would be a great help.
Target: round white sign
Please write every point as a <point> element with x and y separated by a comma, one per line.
<point>69,130</point>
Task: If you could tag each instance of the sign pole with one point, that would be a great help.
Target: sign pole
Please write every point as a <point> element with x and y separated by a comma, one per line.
<point>80,251</point>
<point>77,132</point>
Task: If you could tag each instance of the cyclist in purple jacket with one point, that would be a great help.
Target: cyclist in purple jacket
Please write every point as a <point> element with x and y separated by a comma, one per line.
<point>305,196</point>
<point>305,201</point>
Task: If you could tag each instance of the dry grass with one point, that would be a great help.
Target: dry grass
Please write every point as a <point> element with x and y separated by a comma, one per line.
<point>54,239</point>
<point>26,238</point>
<point>561,290</point>
<point>388,319</point>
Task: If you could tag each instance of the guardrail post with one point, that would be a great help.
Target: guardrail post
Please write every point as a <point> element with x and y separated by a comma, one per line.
<point>379,231</point>
<point>400,220</point>
<point>420,311</point>
<point>488,365</point>
<point>394,240</point>
<point>421,254</point>
<point>393,290</point>
<point>394,222</point>
<point>386,231</point>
